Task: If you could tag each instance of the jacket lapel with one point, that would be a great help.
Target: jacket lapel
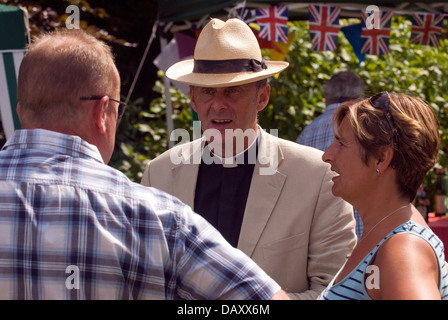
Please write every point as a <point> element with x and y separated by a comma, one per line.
<point>185,174</point>
<point>267,183</point>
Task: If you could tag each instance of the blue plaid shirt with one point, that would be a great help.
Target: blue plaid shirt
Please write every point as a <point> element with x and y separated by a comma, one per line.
<point>319,134</point>
<point>74,228</point>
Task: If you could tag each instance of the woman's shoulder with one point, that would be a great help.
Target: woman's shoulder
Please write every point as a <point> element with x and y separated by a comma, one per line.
<point>409,239</point>
<point>407,259</point>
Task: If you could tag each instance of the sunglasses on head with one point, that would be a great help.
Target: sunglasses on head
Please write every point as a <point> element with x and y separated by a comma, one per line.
<point>382,101</point>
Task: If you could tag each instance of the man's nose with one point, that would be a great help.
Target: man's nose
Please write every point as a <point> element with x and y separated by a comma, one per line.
<point>219,101</point>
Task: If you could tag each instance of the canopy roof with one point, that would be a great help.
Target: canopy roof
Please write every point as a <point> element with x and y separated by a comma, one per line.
<point>12,28</point>
<point>13,36</point>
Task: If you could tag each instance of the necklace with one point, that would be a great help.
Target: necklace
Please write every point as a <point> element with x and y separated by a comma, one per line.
<point>383,220</point>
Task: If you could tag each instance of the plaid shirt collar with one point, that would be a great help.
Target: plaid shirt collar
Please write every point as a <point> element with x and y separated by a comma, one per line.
<point>53,141</point>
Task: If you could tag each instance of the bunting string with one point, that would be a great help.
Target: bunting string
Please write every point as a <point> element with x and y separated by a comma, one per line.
<point>324,28</point>
<point>371,36</point>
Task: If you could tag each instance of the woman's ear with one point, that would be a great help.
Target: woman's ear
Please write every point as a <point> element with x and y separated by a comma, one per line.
<point>385,157</point>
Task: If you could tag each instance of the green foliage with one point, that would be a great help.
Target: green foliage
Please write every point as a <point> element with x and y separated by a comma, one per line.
<point>142,134</point>
<point>297,93</point>
<point>46,15</point>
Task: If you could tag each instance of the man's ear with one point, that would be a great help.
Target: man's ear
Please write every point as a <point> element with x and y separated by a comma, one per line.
<point>263,97</point>
<point>18,112</point>
<point>100,113</point>
<point>192,98</point>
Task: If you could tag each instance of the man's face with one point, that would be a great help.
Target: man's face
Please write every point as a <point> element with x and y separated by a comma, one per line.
<point>229,108</point>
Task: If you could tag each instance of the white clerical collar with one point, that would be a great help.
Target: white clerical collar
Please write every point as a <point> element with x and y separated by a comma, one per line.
<point>233,161</point>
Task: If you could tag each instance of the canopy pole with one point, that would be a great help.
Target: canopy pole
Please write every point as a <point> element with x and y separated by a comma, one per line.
<point>151,38</point>
<point>169,119</point>
<point>169,106</point>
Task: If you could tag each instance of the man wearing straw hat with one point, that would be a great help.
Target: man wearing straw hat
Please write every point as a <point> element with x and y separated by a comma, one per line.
<point>269,197</point>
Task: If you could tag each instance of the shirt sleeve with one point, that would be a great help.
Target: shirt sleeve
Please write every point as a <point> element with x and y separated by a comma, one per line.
<point>208,267</point>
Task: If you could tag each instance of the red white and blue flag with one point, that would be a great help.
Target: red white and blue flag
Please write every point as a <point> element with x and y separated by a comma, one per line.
<point>426,28</point>
<point>324,27</point>
<point>376,39</point>
<point>273,23</point>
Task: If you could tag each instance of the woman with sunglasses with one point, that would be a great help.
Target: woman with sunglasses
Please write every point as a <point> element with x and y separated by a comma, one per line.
<point>383,148</point>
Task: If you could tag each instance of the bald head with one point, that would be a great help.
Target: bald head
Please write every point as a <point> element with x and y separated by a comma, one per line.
<point>58,68</point>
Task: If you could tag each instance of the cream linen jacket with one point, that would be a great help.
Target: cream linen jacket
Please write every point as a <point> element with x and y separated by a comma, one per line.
<point>293,226</point>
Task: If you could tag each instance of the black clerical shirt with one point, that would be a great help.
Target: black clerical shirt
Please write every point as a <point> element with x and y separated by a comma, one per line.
<point>221,192</point>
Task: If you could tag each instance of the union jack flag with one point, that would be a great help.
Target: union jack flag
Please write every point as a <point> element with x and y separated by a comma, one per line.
<point>324,27</point>
<point>273,23</point>
<point>376,39</point>
<point>426,28</point>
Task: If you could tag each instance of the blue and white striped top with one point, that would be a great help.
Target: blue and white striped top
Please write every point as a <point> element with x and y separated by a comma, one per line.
<point>352,286</point>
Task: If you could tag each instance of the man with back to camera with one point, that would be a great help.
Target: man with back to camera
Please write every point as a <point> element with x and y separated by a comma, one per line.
<point>343,86</point>
<point>269,197</point>
<point>73,227</point>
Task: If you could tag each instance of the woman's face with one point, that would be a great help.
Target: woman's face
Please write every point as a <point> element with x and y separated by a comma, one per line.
<point>344,156</point>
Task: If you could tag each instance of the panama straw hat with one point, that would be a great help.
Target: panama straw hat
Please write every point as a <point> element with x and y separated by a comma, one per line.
<point>226,54</point>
